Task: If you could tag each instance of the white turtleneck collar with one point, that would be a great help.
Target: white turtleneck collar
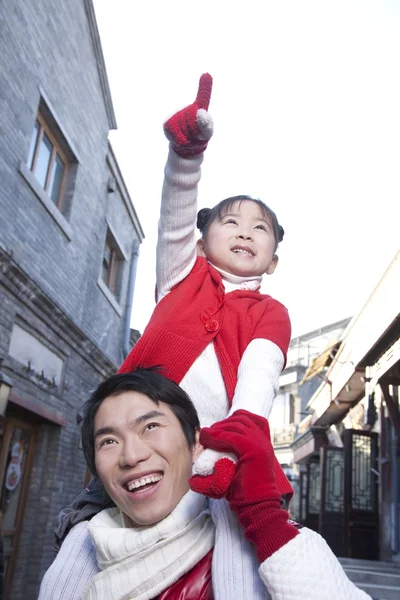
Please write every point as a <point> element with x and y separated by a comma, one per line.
<point>237,282</point>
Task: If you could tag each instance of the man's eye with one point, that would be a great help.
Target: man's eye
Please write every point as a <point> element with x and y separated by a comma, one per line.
<point>151,426</point>
<point>106,442</point>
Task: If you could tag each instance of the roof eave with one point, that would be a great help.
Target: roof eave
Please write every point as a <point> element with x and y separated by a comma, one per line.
<point>101,66</point>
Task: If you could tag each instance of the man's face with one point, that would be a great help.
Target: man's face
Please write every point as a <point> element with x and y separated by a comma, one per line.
<point>142,456</point>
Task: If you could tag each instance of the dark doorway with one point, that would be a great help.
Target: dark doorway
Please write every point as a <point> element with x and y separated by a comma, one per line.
<point>17,442</point>
<point>361,494</point>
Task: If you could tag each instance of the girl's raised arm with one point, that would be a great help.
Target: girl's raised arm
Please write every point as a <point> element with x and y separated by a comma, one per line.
<point>188,131</point>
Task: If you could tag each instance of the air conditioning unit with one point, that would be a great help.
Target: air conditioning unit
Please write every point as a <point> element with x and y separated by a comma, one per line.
<point>111,185</point>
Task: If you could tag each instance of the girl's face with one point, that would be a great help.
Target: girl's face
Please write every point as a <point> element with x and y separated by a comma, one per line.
<point>242,242</point>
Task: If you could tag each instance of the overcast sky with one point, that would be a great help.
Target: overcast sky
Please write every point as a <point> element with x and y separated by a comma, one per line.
<point>306,105</point>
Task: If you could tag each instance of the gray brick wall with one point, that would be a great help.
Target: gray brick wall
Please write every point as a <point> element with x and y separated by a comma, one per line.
<point>58,467</point>
<point>48,282</point>
<point>51,47</point>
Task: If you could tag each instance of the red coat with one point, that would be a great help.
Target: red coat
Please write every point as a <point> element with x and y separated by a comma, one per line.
<point>196,312</point>
<point>195,585</point>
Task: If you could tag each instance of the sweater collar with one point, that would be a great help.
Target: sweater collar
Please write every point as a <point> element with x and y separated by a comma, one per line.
<point>237,282</point>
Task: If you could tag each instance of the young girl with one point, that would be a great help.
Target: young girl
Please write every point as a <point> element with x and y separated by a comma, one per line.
<point>212,330</point>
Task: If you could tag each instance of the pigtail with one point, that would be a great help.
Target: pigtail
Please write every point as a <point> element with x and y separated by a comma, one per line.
<point>281,233</point>
<point>203,217</point>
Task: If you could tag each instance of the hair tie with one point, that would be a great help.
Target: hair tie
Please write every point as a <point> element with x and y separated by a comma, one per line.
<point>202,218</point>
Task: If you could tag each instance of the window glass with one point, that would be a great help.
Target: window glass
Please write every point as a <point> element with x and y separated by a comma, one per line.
<point>112,265</point>
<point>107,263</point>
<point>33,144</point>
<point>43,160</point>
<point>56,179</point>
<point>50,159</point>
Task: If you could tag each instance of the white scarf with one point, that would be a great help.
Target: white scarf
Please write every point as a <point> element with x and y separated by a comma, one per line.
<point>141,562</point>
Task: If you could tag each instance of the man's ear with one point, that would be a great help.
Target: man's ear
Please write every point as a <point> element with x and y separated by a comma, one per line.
<point>200,248</point>
<point>197,448</point>
<point>273,265</point>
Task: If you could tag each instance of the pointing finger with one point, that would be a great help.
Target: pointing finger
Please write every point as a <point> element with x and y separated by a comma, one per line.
<point>204,92</point>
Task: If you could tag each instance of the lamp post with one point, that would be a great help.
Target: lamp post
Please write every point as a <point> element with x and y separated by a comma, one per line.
<point>5,389</point>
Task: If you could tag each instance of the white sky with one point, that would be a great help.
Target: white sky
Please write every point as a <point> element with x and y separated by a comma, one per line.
<point>306,105</point>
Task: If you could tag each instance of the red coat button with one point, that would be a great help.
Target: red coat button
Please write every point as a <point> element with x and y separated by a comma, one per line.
<point>212,326</point>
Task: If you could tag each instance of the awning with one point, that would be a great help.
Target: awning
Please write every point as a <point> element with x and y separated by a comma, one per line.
<point>367,338</point>
<point>309,443</point>
<point>319,363</point>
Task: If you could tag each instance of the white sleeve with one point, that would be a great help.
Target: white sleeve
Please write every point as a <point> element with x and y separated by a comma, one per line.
<point>306,569</point>
<point>73,567</point>
<point>258,378</point>
<point>176,246</point>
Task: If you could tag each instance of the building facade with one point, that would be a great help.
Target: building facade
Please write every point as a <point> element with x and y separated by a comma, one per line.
<point>69,240</point>
<point>348,447</point>
<point>290,405</point>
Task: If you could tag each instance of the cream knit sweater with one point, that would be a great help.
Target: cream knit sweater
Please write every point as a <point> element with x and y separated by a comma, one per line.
<point>303,569</point>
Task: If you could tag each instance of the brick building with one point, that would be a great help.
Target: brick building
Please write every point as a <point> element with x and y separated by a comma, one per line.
<point>69,239</point>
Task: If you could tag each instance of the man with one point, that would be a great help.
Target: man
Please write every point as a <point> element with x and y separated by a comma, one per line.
<point>1,556</point>
<point>141,436</point>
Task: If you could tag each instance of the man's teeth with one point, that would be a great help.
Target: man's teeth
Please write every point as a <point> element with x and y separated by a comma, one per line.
<point>133,485</point>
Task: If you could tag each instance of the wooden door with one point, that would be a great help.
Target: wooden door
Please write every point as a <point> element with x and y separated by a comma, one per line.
<point>331,516</point>
<point>303,493</point>
<point>17,441</point>
<point>310,489</point>
<point>361,494</point>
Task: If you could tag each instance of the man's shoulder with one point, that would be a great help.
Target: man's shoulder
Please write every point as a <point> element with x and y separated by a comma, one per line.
<point>78,532</point>
<point>77,543</point>
<point>73,567</point>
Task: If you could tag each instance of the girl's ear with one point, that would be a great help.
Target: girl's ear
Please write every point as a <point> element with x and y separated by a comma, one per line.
<point>197,448</point>
<point>273,264</point>
<point>200,248</point>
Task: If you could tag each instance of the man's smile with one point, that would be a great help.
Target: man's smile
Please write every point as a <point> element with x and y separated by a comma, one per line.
<point>142,481</point>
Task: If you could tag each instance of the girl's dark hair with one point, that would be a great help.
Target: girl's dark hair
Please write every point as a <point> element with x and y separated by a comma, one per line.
<point>206,216</point>
<point>152,384</point>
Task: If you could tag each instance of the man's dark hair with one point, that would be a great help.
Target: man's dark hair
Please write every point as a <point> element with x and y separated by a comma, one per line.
<point>152,384</point>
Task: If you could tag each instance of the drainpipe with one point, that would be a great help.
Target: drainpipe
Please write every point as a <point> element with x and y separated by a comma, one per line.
<point>126,346</point>
<point>396,494</point>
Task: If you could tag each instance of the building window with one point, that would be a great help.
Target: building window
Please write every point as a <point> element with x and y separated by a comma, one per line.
<point>47,160</point>
<point>112,265</point>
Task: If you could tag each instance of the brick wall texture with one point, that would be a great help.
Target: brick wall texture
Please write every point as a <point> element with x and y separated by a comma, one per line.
<point>48,282</point>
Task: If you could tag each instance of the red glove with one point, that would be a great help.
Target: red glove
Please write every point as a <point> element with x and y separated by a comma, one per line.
<point>190,130</point>
<point>216,483</point>
<point>253,494</point>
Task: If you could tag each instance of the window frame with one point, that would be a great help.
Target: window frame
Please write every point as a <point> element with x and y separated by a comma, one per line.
<point>113,283</point>
<point>113,268</point>
<point>44,128</point>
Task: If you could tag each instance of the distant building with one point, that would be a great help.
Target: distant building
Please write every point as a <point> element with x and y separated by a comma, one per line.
<point>348,447</point>
<point>290,405</point>
<point>69,240</point>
